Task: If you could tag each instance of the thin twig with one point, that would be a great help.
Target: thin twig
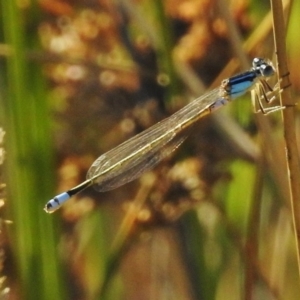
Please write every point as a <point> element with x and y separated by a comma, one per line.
<point>127,230</point>
<point>288,115</point>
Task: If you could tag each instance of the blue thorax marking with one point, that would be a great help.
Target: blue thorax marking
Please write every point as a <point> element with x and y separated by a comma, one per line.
<point>240,84</point>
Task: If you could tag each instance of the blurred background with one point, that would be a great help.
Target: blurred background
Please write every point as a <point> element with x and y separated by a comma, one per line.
<point>77,78</point>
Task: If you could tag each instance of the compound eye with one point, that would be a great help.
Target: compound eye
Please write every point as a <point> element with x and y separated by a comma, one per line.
<point>266,70</point>
<point>257,62</point>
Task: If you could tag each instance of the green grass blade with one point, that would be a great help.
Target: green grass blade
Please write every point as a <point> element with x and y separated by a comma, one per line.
<point>29,163</point>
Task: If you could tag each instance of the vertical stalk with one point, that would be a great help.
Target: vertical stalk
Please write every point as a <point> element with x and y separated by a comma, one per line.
<point>28,163</point>
<point>288,116</point>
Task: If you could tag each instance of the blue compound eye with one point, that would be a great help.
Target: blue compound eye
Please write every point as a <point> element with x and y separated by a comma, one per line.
<point>257,62</point>
<point>263,67</point>
<point>266,70</point>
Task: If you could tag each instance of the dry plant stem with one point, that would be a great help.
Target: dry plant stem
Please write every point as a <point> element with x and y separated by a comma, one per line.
<point>126,231</point>
<point>131,216</point>
<point>288,115</point>
<point>234,36</point>
<point>251,243</point>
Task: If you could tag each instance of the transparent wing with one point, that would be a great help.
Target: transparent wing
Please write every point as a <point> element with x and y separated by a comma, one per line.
<point>142,152</point>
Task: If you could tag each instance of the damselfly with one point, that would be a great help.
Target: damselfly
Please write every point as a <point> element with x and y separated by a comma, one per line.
<point>142,152</point>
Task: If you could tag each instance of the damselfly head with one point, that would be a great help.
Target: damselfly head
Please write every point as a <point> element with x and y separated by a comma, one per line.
<point>263,67</point>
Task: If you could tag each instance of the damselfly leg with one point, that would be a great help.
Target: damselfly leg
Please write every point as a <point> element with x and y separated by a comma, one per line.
<point>264,97</point>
